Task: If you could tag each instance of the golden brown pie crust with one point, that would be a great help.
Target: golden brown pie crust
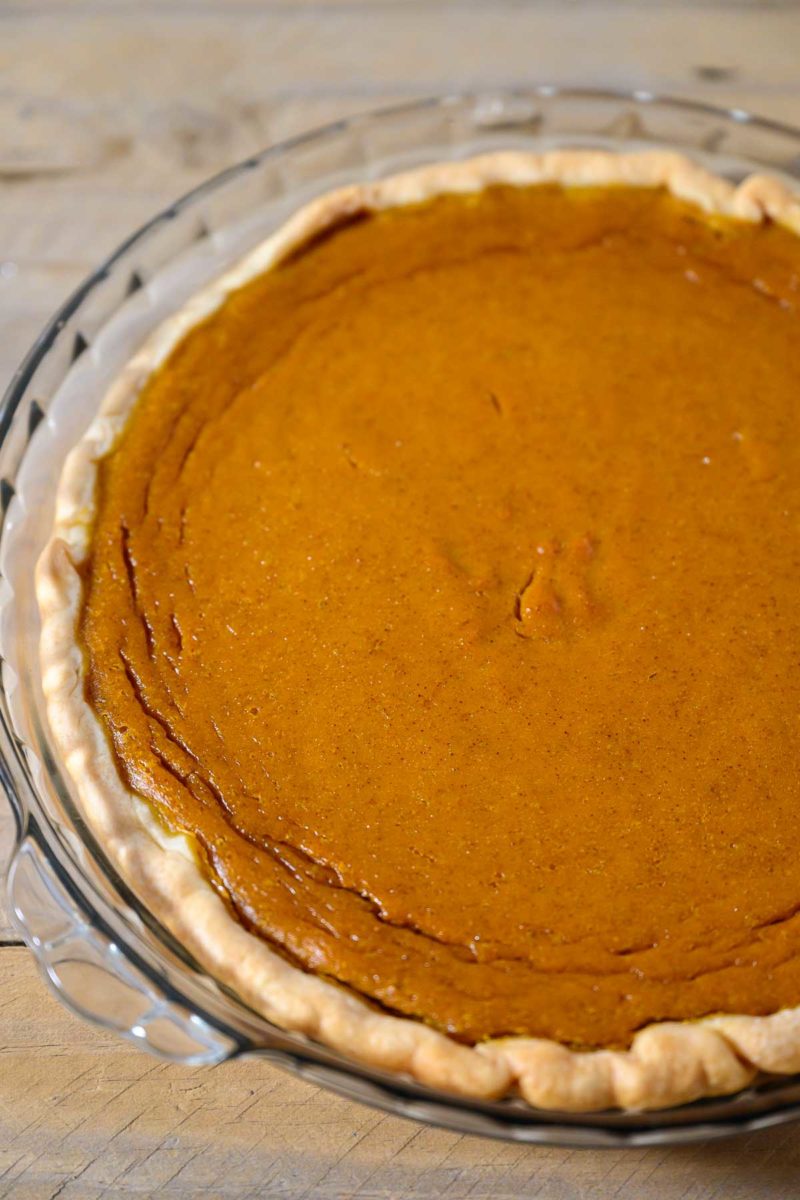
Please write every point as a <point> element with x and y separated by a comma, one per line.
<point>667,1062</point>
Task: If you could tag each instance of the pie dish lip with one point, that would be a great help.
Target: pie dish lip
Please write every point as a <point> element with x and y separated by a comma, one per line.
<point>668,1063</point>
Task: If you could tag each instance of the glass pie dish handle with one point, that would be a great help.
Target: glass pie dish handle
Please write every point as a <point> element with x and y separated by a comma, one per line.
<point>89,972</point>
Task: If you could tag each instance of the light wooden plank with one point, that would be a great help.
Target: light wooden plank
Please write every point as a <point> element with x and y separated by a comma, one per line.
<point>82,1112</point>
<point>219,56</point>
<point>60,7</point>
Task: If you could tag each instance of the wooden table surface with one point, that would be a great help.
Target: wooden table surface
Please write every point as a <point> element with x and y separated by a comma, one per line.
<point>109,109</point>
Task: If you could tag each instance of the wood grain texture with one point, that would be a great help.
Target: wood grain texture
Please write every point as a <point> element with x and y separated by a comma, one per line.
<point>108,110</point>
<point>83,1115</point>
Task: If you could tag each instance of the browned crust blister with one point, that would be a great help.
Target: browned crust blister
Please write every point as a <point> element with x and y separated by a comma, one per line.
<point>668,1063</point>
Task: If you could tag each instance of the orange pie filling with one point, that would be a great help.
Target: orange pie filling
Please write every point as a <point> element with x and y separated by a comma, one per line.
<point>444,588</point>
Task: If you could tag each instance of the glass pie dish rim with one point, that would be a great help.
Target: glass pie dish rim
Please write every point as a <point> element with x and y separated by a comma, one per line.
<point>770,1102</point>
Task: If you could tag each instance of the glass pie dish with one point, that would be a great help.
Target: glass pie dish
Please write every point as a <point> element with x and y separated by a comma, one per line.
<point>105,956</point>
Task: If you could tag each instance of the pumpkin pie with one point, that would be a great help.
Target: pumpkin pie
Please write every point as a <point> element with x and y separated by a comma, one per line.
<point>421,636</point>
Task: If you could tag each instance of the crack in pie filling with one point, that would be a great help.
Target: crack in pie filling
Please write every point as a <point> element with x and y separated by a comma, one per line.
<point>434,580</point>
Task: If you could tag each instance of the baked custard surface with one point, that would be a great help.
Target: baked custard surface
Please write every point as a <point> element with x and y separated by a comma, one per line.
<point>443,586</point>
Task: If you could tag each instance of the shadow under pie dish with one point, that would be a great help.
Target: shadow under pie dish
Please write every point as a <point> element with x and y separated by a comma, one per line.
<point>418,627</point>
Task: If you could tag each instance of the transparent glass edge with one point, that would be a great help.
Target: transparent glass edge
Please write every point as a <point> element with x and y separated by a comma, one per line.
<point>17,392</point>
